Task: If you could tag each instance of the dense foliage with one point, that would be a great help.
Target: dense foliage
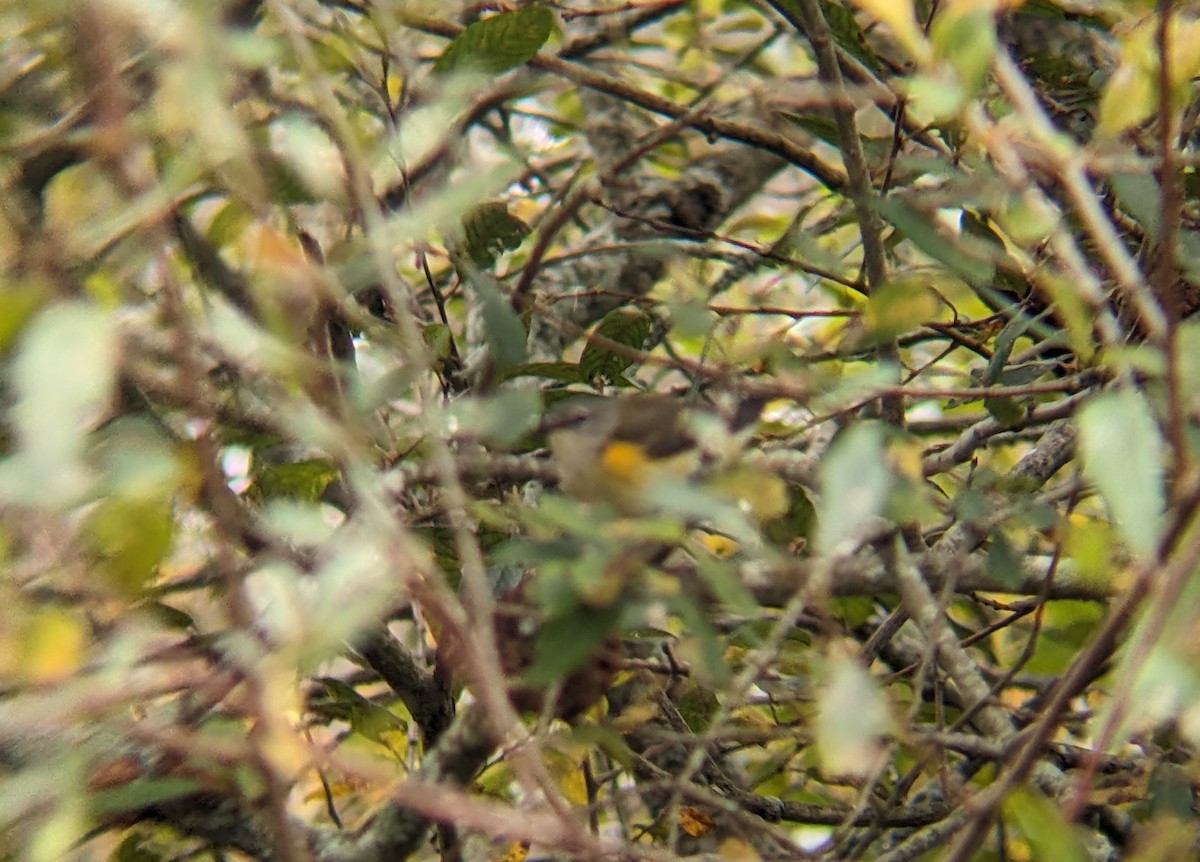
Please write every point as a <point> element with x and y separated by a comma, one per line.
<point>297,294</point>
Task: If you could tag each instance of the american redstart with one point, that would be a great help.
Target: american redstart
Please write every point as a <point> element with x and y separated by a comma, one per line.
<point>613,450</point>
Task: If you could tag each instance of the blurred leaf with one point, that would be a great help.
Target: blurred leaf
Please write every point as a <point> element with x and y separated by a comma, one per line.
<point>63,377</point>
<point>304,154</point>
<point>300,523</point>
<point>1123,453</point>
<point>438,338</point>
<point>852,719</point>
<point>1129,97</point>
<point>135,848</point>
<point>170,617</point>
<point>722,578</point>
<point>18,302</point>
<point>141,793</point>
<point>855,482</point>
<point>135,458</point>
<point>302,480</point>
<point>1140,196</point>
<point>129,555</point>
<point>626,326</point>
<point>704,646</point>
<point>52,646</point>
<point>285,184</point>
<point>696,822</point>
<point>1006,411</point>
<point>501,420</point>
<point>563,372</point>
<point>1003,562</point>
<point>498,43</point>
<point>847,34</point>
<point>900,18</point>
<point>964,36</point>
<point>690,501</point>
<point>697,705</point>
<point>567,773</point>
<point>1070,308</point>
<point>341,702</point>
<point>1042,824</point>
<point>55,837</point>
<point>921,229</point>
<point>898,306</point>
<point>501,327</point>
<point>1171,794</point>
<point>566,642</point>
<point>490,230</point>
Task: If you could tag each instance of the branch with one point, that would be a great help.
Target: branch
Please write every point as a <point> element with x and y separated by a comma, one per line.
<point>427,697</point>
<point>397,831</point>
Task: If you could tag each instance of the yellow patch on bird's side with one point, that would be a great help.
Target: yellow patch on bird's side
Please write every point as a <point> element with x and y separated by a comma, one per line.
<point>625,461</point>
<point>721,547</point>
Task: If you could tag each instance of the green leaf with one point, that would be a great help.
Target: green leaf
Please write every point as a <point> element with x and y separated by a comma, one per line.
<point>919,227</point>
<point>500,419</point>
<point>1129,98</point>
<point>130,537</point>
<point>709,666</point>
<point>1003,561</point>
<point>498,43</point>
<point>895,307</point>
<point>1039,820</point>
<point>135,849</point>
<point>1140,196</point>
<point>966,39</point>
<point>18,302</point>
<point>490,230</point>
<point>563,372</point>
<point>1123,454</point>
<point>722,578</point>
<point>169,616</point>
<point>1006,411</point>
<point>285,184</point>
<point>302,480</point>
<point>502,328</point>
<point>626,326</point>
<point>63,378</point>
<point>140,793</point>
<point>341,702</point>
<point>855,482</point>
<point>566,642</point>
<point>847,34</point>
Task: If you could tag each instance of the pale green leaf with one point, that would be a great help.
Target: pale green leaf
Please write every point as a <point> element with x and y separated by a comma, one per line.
<point>854,482</point>
<point>63,378</point>
<point>1123,453</point>
<point>852,719</point>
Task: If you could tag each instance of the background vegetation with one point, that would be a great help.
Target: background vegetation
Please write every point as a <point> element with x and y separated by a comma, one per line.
<point>289,286</point>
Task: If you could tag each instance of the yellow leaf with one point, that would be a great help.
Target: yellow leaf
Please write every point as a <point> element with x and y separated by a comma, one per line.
<point>738,850</point>
<point>52,646</point>
<point>568,776</point>
<point>695,822</point>
<point>898,16</point>
<point>1128,98</point>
